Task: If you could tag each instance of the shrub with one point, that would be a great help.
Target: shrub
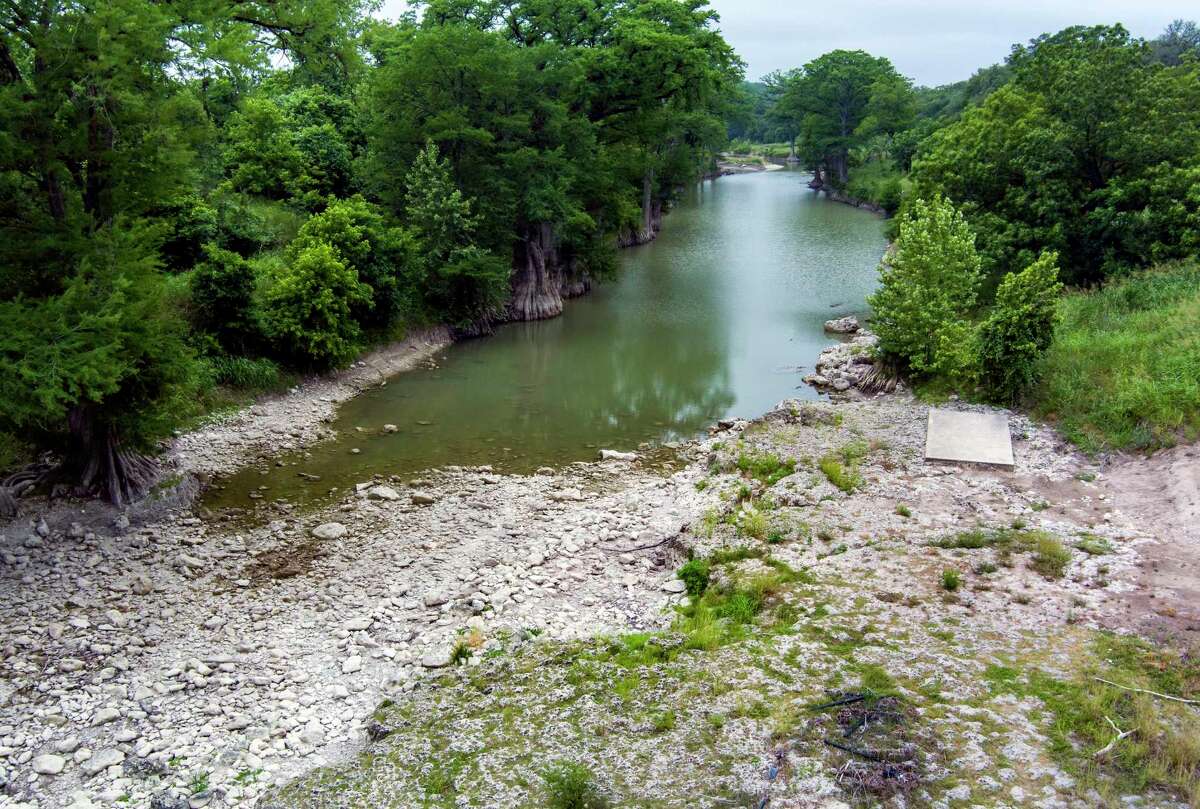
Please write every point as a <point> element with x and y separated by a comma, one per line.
<point>222,289</point>
<point>752,522</point>
<point>768,467</point>
<point>308,308</point>
<point>951,579</point>
<point>569,786</point>
<point>927,287</point>
<point>383,257</point>
<point>694,574</point>
<point>1019,329</point>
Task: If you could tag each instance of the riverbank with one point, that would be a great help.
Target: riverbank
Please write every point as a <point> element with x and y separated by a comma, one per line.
<point>210,664</point>
<point>296,419</point>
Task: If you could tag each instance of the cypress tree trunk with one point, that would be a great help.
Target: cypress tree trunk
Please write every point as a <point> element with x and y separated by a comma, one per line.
<point>647,232</point>
<point>99,464</point>
<point>537,282</point>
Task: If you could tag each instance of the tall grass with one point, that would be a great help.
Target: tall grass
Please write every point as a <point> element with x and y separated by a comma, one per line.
<point>1124,369</point>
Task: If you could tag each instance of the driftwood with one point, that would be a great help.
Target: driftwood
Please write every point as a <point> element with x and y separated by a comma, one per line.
<point>1147,691</point>
<point>1121,734</point>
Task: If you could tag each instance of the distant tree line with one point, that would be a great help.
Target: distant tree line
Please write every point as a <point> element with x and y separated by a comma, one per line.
<point>197,194</point>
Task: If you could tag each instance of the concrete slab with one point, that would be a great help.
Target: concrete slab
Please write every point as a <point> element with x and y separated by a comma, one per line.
<point>959,437</point>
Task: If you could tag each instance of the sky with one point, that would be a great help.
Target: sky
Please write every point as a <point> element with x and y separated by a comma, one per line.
<point>932,42</point>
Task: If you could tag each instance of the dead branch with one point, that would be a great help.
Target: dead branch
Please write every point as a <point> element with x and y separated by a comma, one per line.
<point>1121,734</point>
<point>1147,691</point>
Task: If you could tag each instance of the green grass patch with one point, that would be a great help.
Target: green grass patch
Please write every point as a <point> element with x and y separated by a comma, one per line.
<point>1163,751</point>
<point>766,467</point>
<point>1124,369</point>
<point>569,786</point>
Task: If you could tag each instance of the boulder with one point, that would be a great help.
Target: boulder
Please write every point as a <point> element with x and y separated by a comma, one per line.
<point>383,493</point>
<point>843,325</point>
<point>329,531</point>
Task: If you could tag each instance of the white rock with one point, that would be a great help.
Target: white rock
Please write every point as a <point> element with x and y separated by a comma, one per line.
<point>436,660</point>
<point>423,499</point>
<point>614,455</point>
<point>675,586</point>
<point>49,764</point>
<point>329,531</point>
<point>102,760</point>
<point>352,664</point>
<point>383,493</point>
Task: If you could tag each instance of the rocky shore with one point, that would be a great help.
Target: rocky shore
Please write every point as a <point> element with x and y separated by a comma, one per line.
<point>175,662</point>
<point>182,663</point>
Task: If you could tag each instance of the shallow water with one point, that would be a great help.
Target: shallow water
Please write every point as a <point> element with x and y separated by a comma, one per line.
<point>722,315</point>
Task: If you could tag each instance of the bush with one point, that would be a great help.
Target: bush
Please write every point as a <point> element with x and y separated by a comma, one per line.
<point>308,308</point>
<point>222,290</point>
<point>951,580</point>
<point>1019,329</point>
<point>383,257</point>
<point>193,224</point>
<point>569,786</point>
<point>694,574</point>
<point>927,288</point>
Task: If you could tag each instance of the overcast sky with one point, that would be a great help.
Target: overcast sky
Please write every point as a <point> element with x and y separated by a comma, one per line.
<point>932,42</point>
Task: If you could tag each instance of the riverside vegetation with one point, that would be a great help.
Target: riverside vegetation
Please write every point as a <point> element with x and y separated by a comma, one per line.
<point>794,611</point>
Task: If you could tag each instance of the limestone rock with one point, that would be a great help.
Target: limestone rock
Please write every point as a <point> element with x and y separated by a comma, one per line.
<point>843,325</point>
<point>49,764</point>
<point>329,531</point>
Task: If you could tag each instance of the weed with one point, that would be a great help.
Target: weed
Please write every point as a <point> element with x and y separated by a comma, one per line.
<point>1093,545</point>
<point>1040,505</point>
<point>694,574</point>
<point>951,579</point>
<point>198,783</point>
<point>461,653</point>
<point>1050,557</point>
<point>664,721</point>
<point>767,467</point>
<point>752,522</point>
<point>702,484</point>
<point>842,476</point>
<point>985,568</point>
<point>903,511</point>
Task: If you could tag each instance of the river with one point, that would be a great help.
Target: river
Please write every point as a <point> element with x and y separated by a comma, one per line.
<point>720,316</point>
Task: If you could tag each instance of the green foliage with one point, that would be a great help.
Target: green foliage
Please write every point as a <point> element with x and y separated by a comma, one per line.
<point>308,308</point>
<point>569,786</point>
<point>1050,557</point>
<point>1091,150</point>
<point>951,579</point>
<point>383,258</point>
<point>245,373</point>
<point>1161,754</point>
<point>766,467</point>
<point>1019,329</point>
<point>927,287</point>
<point>1123,371</point>
<point>694,574</point>
<point>222,298</point>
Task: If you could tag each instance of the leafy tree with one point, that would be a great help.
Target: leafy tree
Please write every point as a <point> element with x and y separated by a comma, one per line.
<point>223,298</point>
<point>1090,151</point>
<point>1180,40</point>
<point>382,256</point>
<point>458,277</point>
<point>1019,328</point>
<point>928,285</point>
<point>832,97</point>
<point>308,308</point>
<point>101,370</point>
<point>101,122</point>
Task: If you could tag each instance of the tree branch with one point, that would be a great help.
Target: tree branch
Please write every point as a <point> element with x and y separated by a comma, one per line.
<point>1145,691</point>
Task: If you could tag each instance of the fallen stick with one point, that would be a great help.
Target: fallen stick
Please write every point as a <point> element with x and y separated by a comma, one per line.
<point>843,701</point>
<point>1121,734</point>
<point>1147,691</point>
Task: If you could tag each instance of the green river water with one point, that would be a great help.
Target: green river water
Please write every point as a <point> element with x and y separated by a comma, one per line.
<point>720,316</point>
